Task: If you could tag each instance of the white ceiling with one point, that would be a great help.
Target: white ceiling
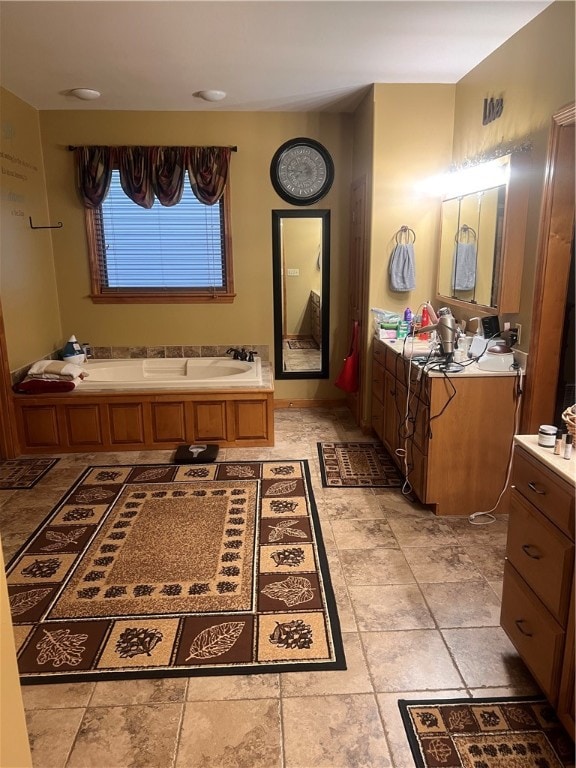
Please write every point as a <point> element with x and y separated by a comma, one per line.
<point>266,54</point>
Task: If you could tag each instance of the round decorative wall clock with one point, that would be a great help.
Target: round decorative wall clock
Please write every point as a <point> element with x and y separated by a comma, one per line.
<point>302,171</point>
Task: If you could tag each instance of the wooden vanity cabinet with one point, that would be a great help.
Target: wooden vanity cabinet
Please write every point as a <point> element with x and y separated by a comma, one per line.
<point>453,434</point>
<point>538,592</point>
<point>316,317</point>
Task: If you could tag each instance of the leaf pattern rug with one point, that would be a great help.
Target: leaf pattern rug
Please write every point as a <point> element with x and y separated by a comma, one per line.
<point>357,465</point>
<point>21,474</point>
<point>515,732</point>
<point>166,570</point>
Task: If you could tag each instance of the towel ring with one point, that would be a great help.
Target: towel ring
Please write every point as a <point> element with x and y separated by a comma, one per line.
<point>465,232</point>
<point>406,232</point>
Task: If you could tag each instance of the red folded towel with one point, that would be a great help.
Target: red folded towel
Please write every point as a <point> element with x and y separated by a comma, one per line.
<point>40,386</point>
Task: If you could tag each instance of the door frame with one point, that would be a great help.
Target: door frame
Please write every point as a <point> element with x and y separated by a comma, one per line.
<point>8,435</point>
<point>552,274</point>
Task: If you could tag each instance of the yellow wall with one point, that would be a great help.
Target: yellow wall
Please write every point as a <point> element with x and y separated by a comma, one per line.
<point>534,72</point>
<point>412,141</point>
<point>249,320</point>
<point>27,281</point>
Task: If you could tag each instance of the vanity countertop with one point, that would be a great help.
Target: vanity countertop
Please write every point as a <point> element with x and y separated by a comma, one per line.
<point>558,464</point>
<point>410,348</point>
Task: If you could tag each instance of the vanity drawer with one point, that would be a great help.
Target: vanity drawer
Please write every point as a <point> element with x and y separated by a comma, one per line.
<point>378,352</point>
<point>541,554</point>
<point>538,638</point>
<point>545,490</point>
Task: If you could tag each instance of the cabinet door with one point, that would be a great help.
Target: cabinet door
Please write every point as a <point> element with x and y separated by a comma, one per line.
<point>168,422</point>
<point>40,426</point>
<point>83,425</point>
<point>250,420</point>
<point>566,697</point>
<point>210,420</point>
<point>390,414</point>
<point>126,423</point>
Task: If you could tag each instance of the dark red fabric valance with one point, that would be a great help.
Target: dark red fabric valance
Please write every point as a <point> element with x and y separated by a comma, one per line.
<point>147,173</point>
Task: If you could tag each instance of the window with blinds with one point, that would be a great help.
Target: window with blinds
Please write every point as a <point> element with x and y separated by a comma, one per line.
<point>181,252</point>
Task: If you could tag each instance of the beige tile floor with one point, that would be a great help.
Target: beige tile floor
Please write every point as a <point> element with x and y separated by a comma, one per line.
<point>418,599</point>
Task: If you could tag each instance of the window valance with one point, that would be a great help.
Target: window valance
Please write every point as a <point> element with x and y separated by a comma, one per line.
<point>147,173</point>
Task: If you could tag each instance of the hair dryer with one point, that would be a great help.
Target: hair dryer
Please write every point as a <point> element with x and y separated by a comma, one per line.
<point>446,329</point>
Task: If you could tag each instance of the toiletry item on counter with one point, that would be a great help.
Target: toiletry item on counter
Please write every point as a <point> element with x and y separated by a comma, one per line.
<point>559,444</point>
<point>568,447</point>
<point>403,329</point>
<point>425,322</point>
<point>547,436</point>
<point>408,315</point>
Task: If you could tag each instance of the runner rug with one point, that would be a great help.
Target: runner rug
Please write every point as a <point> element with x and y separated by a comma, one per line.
<point>357,465</point>
<point>302,344</point>
<point>20,474</point>
<point>486,733</point>
<point>166,570</point>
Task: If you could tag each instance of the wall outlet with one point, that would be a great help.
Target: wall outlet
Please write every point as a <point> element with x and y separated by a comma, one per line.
<point>293,272</point>
<point>518,328</point>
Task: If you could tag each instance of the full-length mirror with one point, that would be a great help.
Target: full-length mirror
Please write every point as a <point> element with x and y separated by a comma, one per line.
<point>482,236</point>
<point>301,273</point>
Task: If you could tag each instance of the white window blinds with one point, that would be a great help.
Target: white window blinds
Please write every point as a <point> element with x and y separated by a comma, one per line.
<point>171,248</point>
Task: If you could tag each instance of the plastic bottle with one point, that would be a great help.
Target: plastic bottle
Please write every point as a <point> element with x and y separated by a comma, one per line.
<point>425,322</point>
<point>408,315</point>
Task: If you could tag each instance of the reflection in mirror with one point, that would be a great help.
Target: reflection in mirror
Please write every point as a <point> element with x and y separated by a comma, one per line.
<point>471,246</point>
<point>301,259</point>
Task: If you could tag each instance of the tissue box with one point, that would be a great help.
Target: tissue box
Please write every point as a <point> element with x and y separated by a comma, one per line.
<point>386,333</point>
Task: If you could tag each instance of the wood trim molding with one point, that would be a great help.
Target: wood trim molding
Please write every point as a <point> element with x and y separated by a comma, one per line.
<point>552,272</point>
<point>9,448</point>
<point>309,403</point>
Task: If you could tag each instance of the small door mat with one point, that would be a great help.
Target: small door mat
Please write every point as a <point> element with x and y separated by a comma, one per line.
<point>302,344</point>
<point>176,570</point>
<point>515,732</point>
<point>357,465</point>
<point>20,474</point>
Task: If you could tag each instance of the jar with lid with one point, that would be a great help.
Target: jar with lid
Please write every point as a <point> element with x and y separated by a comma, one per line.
<point>547,436</point>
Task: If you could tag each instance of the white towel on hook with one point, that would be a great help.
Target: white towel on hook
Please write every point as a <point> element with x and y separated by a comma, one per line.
<point>402,270</point>
<point>464,268</point>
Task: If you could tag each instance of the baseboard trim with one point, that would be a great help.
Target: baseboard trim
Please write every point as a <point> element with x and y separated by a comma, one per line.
<point>309,403</point>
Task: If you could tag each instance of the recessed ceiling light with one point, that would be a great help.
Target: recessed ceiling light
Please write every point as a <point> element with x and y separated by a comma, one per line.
<point>86,94</point>
<point>210,95</point>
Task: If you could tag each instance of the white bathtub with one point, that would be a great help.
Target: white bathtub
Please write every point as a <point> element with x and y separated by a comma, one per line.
<point>171,373</point>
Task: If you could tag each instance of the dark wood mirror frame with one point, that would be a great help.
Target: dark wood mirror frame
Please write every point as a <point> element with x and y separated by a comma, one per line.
<point>322,372</point>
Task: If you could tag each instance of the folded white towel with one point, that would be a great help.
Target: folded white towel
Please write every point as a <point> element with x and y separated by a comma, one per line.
<point>54,369</point>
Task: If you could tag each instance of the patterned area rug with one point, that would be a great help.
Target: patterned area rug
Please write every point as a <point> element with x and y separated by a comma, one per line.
<point>165,570</point>
<point>486,733</point>
<point>357,465</point>
<point>19,474</point>
<point>302,344</point>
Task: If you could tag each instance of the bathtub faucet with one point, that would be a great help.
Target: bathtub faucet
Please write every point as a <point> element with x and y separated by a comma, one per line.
<point>241,354</point>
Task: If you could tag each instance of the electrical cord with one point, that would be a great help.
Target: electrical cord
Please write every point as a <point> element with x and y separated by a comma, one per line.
<point>488,513</point>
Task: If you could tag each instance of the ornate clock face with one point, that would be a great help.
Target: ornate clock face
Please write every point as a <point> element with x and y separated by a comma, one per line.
<point>302,171</point>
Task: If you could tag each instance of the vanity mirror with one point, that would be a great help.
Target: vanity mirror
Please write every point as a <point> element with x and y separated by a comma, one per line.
<point>301,277</point>
<point>482,238</point>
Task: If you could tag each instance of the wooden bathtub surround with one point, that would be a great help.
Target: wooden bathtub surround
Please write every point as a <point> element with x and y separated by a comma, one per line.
<point>76,422</point>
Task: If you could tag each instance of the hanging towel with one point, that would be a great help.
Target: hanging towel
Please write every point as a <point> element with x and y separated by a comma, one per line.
<point>464,269</point>
<point>401,270</point>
